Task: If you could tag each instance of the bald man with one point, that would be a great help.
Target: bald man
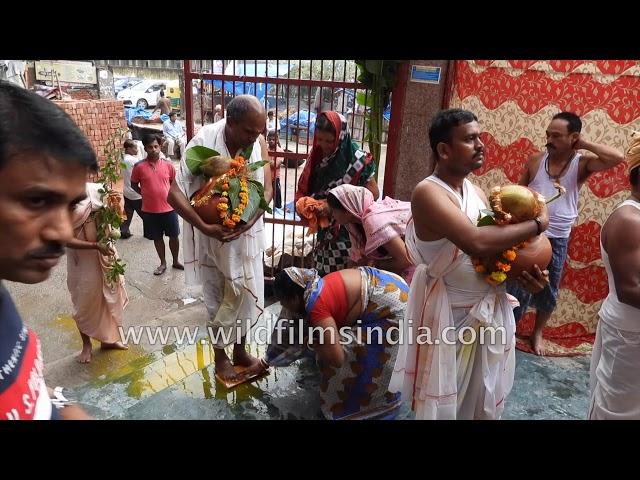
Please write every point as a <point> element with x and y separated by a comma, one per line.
<point>227,263</point>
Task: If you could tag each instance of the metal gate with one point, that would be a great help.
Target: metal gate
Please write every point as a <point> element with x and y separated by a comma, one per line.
<point>295,91</point>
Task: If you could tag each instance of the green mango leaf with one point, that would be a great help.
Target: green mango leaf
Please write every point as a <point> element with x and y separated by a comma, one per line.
<point>486,220</point>
<point>252,167</point>
<point>265,206</point>
<point>246,153</point>
<point>234,190</point>
<point>196,156</point>
<point>253,204</point>
<point>487,211</point>
<point>260,188</point>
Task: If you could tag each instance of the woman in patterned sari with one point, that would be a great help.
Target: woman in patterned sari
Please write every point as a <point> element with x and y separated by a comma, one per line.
<point>335,159</point>
<point>351,321</point>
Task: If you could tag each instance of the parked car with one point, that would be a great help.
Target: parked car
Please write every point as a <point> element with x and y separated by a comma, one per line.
<point>121,83</point>
<point>145,94</point>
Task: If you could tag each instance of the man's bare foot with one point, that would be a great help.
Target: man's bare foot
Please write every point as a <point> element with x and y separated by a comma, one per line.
<point>160,270</point>
<point>85,354</point>
<point>242,358</point>
<point>225,370</point>
<point>538,343</point>
<point>178,266</point>
<point>114,346</point>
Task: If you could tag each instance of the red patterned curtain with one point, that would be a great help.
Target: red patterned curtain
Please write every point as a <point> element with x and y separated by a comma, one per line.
<point>514,101</point>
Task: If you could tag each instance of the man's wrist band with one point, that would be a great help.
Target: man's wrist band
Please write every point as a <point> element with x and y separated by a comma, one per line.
<point>539,224</point>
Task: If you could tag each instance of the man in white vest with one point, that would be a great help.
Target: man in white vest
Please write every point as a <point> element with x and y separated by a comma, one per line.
<point>562,164</point>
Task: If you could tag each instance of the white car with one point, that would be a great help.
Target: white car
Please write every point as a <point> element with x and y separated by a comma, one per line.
<point>145,94</point>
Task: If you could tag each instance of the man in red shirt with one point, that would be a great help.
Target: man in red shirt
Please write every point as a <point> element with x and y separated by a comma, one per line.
<point>152,178</point>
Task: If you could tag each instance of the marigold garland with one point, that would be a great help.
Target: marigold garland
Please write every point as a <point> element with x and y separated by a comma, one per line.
<point>500,267</point>
<point>237,169</point>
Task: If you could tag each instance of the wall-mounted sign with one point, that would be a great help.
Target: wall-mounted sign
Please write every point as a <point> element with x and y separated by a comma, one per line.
<point>67,72</point>
<point>425,74</point>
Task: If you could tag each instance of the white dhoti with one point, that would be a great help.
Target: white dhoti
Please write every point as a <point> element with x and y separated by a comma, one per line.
<point>615,376</point>
<point>456,379</point>
<point>231,273</point>
<point>615,361</point>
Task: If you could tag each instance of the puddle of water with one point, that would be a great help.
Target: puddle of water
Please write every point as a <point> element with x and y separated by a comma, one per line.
<point>104,363</point>
<point>143,386</point>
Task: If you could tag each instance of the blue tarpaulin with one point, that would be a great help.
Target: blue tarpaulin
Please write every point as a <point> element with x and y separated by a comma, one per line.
<point>387,113</point>
<point>307,120</point>
<point>251,70</point>
<point>132,112</point>
<point>286,213</point>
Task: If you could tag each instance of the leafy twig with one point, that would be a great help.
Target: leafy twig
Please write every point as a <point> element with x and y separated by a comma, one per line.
<point>109,218</point>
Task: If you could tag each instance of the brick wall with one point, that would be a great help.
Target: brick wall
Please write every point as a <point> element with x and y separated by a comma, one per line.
<point>98,119</point>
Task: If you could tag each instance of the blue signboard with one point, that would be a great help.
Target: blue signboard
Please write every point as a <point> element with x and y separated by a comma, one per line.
<point>425,74</point>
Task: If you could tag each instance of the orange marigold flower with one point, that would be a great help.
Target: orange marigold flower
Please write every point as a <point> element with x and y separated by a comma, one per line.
<point>505,267</point>
<point>509,255</point>
<point>235,218</point>
<point>480,269</point>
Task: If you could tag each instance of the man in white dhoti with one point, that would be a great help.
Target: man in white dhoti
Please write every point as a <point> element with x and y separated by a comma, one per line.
<point>615,362</point>
<point>452,377</point>
<point>227,263</point>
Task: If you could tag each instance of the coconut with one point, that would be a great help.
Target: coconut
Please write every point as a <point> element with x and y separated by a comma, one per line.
<point>216,166</point>
<point>515,204</point>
